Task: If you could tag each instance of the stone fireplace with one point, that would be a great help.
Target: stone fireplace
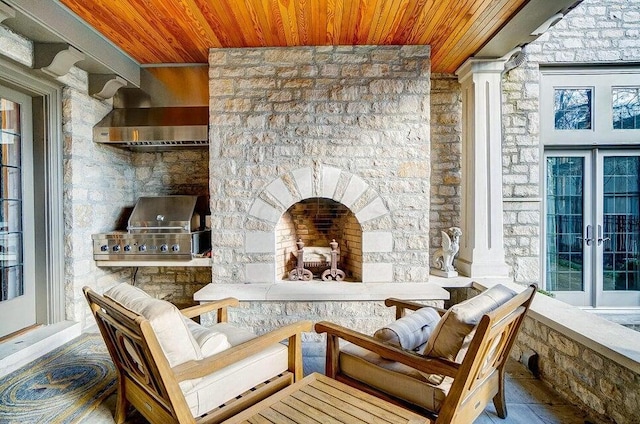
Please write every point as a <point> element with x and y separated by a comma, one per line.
<point>341,132</point>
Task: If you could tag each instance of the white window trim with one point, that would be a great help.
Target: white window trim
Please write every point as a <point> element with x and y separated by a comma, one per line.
<point>47,95</point>
<point>601,80</point>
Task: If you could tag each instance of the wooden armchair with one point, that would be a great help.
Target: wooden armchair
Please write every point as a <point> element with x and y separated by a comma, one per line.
<point>172,370</point>
<point>447,385</point>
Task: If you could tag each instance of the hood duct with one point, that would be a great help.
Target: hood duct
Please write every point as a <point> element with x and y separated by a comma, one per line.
<point>169,111</point>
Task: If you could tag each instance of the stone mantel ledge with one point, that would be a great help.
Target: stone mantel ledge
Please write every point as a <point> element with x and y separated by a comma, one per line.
<point>316,291</point>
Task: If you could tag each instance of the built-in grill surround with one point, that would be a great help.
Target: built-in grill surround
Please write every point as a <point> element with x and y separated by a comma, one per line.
<point>159,228</point>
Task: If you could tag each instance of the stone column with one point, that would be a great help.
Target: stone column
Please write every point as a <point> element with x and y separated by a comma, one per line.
<point>482,249</point>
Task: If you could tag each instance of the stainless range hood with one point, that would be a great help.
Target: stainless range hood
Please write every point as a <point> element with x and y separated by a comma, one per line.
<point>169,111</point>
<point>178,126</point>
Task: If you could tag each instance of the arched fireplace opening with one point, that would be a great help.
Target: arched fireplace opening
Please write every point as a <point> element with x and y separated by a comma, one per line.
<point>317,222</point>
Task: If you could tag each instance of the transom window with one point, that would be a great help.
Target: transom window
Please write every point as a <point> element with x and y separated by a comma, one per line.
<point>598,106</point>
<point>572,108</point>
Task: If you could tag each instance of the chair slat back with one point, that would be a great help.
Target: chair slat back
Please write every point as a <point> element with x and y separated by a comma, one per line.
<point>133,347</point>
<point>485,360</point>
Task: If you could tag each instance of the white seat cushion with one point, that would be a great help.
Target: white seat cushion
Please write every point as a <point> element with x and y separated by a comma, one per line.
<point>392,377</point>
<point>175,339</point>
<point>209,392</point>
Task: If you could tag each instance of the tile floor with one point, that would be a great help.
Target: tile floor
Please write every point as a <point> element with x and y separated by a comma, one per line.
<point>528,400</point>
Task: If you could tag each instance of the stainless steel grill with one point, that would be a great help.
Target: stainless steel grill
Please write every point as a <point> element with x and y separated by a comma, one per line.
<point>159,228</point>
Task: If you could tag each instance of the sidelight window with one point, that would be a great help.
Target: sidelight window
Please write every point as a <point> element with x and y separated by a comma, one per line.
<point>11,279</point>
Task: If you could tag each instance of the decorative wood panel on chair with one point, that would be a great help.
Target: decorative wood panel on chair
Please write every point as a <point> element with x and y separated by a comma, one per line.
<point>452,372</point>
<point>172,370</point>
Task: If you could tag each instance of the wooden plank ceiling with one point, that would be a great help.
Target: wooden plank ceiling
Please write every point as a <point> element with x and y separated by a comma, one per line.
<point>182,31</point>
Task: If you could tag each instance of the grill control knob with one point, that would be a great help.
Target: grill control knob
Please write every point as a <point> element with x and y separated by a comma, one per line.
<point>175,248</point>
<point>104,248</point>
<point>164,248</point>
<point>127,248</point>
<point>142,248</point>
<point>116,248</point>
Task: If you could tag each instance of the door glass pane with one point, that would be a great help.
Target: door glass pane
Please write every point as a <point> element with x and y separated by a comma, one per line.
<point>11,282</point>
<point>572,108</point>
<point>626,108</point>
<point>564,223</point>
<point>621,222</point>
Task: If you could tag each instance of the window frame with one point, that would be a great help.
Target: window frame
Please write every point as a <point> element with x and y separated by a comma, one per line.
<point>601,80</point>
<point>46,96</point>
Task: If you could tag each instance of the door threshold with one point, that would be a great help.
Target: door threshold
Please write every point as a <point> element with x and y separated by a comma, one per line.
<point>28,346</point>
<point>19,333</point>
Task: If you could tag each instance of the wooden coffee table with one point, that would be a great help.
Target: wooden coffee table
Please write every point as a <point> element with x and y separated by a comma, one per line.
<point>319,399</point>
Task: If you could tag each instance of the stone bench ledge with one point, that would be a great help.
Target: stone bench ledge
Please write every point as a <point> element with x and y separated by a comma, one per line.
<point>611,340</point>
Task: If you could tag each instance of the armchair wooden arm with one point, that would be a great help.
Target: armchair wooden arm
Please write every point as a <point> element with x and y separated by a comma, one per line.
<point>219,305</point>
<point>147,382</point>
<point>476,381</point>
<point>401,305</point>
<point>292,332</point>
<point>421,363</point>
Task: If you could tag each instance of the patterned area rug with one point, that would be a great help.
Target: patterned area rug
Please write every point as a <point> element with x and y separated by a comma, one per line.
<point>62,386</point>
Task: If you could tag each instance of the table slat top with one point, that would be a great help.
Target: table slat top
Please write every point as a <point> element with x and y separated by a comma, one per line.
<point>319,399</point>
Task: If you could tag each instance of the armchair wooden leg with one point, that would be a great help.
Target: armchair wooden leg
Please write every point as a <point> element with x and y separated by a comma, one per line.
<point>295,356</point>
<point>499,398</point>
<point>120,414</point>
<point>332,355</point>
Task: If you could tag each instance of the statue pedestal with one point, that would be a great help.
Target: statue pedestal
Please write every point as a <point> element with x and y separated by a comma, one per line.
<point>441,273</point>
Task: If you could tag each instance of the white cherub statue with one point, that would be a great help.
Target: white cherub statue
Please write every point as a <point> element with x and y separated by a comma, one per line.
<point>443,257</point>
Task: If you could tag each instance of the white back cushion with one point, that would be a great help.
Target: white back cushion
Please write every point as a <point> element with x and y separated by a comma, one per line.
<point>210,341</point>
<point>176,341</point>
<point>451,337</point>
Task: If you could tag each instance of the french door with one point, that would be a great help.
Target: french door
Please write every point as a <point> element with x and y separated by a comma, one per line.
<point>592,227</point>
<point>17,269</point>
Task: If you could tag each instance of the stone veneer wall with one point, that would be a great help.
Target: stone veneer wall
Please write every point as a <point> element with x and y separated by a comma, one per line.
<point>171,172</point>
<point>522,184</point>
<point>262,317</point>
<point>609,391</point>
<point>347,123</point>
<point>97,186</point>
<point>446,149</point>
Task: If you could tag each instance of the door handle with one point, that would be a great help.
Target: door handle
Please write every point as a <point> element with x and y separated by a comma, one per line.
<point>588,235</point>
<point>600,238</point>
